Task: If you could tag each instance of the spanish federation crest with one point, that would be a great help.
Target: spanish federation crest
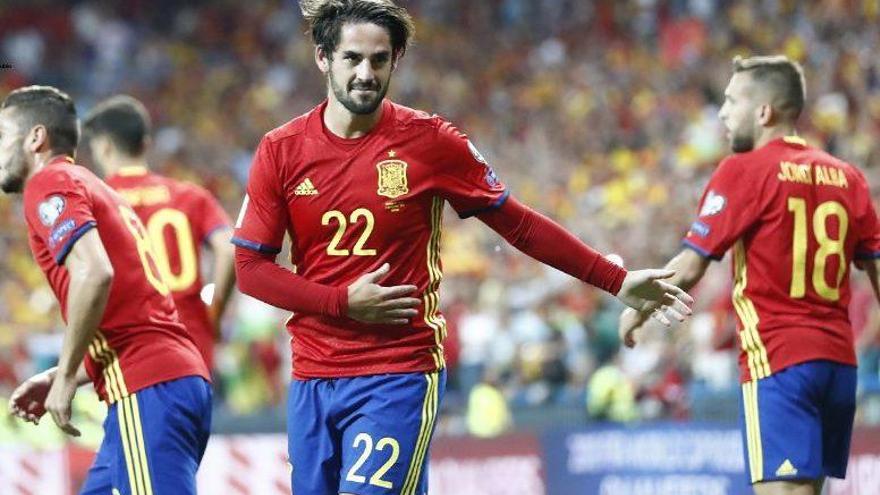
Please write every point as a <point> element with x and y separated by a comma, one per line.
<point>392,178</point>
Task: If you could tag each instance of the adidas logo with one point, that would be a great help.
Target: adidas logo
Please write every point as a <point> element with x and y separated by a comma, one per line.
<point>786,469</point>
<point>305,188</point>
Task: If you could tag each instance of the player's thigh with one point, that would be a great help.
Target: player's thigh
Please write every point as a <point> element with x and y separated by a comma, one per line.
<point>806,487</point>
<point>838,413</point>
<point>782,427</point>
<point>164,430</point>
<point>387,435</point>
<point>313,441</point>
<point>102,473</point>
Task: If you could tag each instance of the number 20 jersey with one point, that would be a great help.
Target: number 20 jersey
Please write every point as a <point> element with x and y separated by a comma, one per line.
<point>350,205</point>
<point>179,217</point>
<point>140,341</point>
<point>796,217</point>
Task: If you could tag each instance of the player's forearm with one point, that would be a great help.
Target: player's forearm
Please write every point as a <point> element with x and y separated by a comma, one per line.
<point>224,273</point>
<point>260,277</point>
<point>549,243</point>
<point>689,267</point>
<point>88,293</point>
<point>82,377</point>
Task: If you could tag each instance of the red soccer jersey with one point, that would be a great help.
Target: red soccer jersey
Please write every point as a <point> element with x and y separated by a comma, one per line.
<point>179,217</point>
<point>350,205</point>
<point>140,341</point>
<point>796,217</point>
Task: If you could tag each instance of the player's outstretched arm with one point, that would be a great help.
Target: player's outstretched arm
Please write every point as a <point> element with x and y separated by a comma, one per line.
<point>549,243</point>
<point>91,275</point>
<point>682,273</point>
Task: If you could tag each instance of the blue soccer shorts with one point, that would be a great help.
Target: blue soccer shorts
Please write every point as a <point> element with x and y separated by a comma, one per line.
<point>797,423</point>
<point>362,435</point>
<point>153,441</point>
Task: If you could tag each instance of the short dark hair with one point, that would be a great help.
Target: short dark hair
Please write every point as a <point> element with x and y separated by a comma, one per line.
<point>326,18</point>
<point>51,108</point>
<point>124,120</point>
<point>782,76</point>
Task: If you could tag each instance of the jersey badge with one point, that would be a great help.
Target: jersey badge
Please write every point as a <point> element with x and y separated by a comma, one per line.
<point>61,232</point>
<point>713,204</point>
<point>50,210</point>
<point>305,188</point>
<point>392,178</point>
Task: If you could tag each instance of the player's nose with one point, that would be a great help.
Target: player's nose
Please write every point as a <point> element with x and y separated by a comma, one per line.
<point>364,71</point>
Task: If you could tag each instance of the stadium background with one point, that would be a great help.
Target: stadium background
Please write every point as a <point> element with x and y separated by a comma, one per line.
<point>600,114</point>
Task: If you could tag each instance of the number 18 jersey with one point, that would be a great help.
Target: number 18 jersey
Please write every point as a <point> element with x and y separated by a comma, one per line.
<point>796,217</point>
<point>350,205</point>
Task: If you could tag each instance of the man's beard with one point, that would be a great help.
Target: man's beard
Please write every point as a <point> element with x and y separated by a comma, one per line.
<point>354,106</point>
<point>13,181</point>
<point>742,143</point>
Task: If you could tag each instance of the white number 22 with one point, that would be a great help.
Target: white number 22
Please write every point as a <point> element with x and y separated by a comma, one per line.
<point>376,479</point>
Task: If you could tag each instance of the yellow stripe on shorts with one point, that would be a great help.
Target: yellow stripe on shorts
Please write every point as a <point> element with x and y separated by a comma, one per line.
<point>429,414</point>
<point>753,431</point>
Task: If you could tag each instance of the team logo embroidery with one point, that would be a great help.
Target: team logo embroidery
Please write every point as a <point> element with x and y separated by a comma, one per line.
<point>786,469</point>
<point>61,232</point>
<point>713,204</point>
<point>50,210</point>
<point>392,178</point>
<point>305,188</point>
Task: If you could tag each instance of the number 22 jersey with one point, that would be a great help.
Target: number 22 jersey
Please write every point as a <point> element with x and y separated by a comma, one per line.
<point>140,341</point>
<point>350,205</point>
<point>796,218</point>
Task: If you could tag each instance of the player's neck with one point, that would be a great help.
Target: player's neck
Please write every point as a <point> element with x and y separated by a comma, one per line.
<point>44,158</point>
<point>773,133</point>
<point>112,167</point>
<point>347,125</point>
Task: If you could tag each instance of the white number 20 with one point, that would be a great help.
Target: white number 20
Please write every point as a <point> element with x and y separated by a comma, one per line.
<point>376,479</point>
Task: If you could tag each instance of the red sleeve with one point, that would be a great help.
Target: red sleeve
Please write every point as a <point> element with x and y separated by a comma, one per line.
<point>212,216</point>
<point>263,219</point>
<point>546,241</point>
<point>868,244</point>
<point>463,177</point>
<point>731,204</point>
<point>260,277</point>
<point>58,211</point>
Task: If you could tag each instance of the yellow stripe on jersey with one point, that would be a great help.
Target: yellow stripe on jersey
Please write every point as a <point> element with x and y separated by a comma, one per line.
<point>756,353</point>
<point>753,431</point>
<point>429,414</point>
<point>431,297</point>
<point>114,384</point>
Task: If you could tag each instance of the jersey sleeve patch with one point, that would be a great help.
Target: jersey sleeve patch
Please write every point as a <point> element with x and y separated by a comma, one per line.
<point>71,240</point>
<point>713,204</point>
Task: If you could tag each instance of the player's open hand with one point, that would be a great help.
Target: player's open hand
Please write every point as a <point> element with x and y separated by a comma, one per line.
<point>58,403</point>
<point>28,400</point>
<point>369,302</point>
<point>646,292</point>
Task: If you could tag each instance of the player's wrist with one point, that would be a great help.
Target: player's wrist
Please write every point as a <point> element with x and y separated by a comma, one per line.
<point>607,276</point>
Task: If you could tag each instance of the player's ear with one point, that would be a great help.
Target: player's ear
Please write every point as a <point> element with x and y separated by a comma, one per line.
<point>766,115</point>
<point>37,139</point>
<point>322,60</point>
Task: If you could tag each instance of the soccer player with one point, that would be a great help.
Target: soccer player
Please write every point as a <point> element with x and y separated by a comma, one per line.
<point>181,218</point>
<point>795,217</point>
<point>122,329</point>
<point>359,183</point>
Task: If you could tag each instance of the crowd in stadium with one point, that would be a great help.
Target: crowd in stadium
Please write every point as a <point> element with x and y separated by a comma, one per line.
<point>601,115</point>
